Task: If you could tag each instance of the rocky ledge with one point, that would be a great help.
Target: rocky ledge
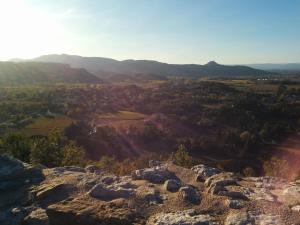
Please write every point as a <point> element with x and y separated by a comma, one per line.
<point>163,194</point>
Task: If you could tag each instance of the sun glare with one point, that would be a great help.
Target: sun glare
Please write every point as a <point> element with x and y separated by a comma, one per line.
<point>28,32</point>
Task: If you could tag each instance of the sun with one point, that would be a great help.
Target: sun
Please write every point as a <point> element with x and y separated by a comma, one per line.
<point>28,32</point>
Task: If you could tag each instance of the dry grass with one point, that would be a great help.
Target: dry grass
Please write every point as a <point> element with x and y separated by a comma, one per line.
<point>44,125</point>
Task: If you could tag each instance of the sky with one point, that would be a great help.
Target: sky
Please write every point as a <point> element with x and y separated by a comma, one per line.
<point>173,31</point>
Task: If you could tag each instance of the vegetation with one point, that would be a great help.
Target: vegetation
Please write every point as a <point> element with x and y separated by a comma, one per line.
<point>213,121</point>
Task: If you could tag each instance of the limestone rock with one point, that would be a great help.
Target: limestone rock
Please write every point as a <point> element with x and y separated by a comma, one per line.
<point>239,218</point>
<point>155,175</point>
<point>187,217</point>
<point>110,192</point>
<point>204,172</point>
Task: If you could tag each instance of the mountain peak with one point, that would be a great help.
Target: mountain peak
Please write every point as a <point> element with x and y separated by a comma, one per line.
<point>212,63</point>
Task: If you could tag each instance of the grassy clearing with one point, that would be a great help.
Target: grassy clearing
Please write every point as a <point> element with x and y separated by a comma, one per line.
<point>44,125</point>
<point>123,115</point>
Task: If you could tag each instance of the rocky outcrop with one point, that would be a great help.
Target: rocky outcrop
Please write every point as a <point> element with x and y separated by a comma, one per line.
<point>204,172</point>
<point>16,181</point>
<point>157,174</point>
<point>164,194</point>
<point>187,217</point>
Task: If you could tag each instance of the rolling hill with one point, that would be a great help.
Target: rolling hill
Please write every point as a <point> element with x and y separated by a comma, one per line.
<point>287,68</point>
<point>99,66</point>
<point>12,73</point>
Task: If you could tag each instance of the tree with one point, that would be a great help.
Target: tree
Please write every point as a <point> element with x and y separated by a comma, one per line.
<point>181,157</point>
<point>16,145</point>
<point>46,153</point>
<point>73,155</point>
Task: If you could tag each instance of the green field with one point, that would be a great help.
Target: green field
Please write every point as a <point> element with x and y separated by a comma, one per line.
<point>44,125</point>
<point>123,115</point>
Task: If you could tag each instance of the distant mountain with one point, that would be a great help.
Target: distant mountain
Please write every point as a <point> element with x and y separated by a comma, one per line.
<point>279,68</point>
<point>12,73</point>
<point>100,66</point>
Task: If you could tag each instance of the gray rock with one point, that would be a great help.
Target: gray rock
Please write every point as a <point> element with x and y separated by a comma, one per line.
<point>172,185</point>
<point>10,168</point>
<point>37,217</point>
<point>155,175</point>
<point>239,218</point>
<point>204,172</point>
<point>235,204</point>
<point>190,194</point>
<point>187,217</point>
<point>110,192</point>
<point>216,184</point>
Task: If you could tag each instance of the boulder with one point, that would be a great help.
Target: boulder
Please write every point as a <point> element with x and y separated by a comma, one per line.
<point>234,203</point>
<point>189,194</point>
<point>172,185</point>
<point>216,184</point>
<point>187,217</point>
<point>16,180</point>
<point>111,192</point>
<point>239,218</point>
<point>204,172</point>
<point>156,175</point>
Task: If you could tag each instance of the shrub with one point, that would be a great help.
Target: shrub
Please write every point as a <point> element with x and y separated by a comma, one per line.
<point>275,167</point>
<point>73,155</point>
<point>249,172</point>
<point>181,157</point>
<point>16,145</point>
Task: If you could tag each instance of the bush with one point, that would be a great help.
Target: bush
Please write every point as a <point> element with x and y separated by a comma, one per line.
<point>17,146</point>
<point>73,155</point>
<point>181,157</point>
<point>46,153</point>
<point>249,172</point>
<point>275,167</point>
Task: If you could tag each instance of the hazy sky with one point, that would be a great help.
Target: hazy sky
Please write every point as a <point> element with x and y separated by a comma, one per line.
<point>175,31</point>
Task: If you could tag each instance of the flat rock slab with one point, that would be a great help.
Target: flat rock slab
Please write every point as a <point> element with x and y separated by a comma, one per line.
<point>187,217</point>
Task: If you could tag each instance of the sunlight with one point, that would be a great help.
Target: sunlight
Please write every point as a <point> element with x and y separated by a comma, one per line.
<point>28,32</point>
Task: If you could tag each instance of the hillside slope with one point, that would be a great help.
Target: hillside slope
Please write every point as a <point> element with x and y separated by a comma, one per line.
<point>96,64</point>
<point>12,73</point>
<point>162,195</point>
